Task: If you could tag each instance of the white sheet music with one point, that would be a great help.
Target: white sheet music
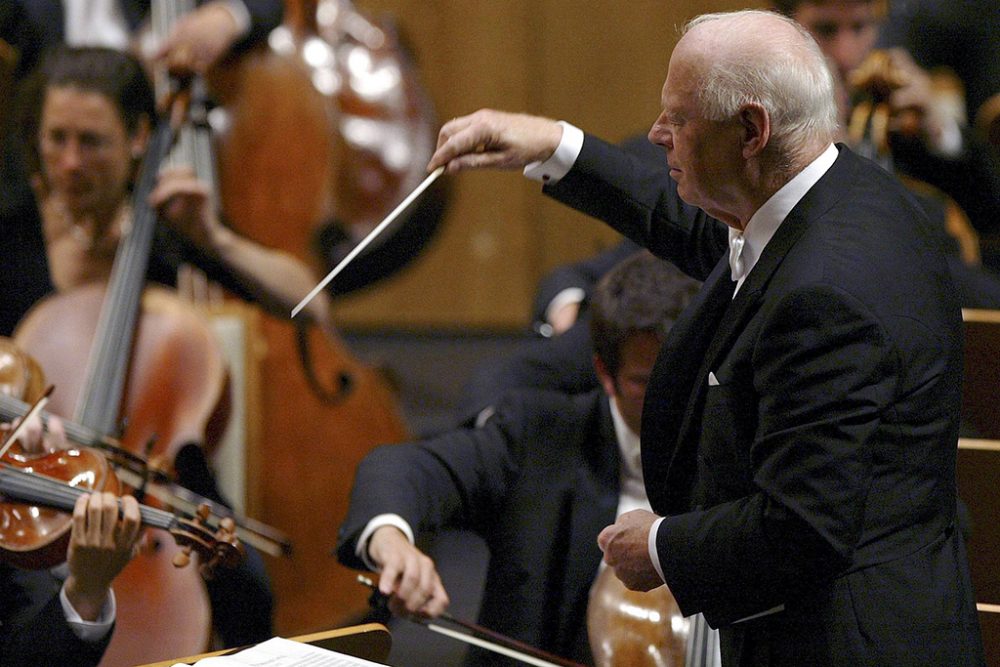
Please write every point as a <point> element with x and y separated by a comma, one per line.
<point>278,652</point>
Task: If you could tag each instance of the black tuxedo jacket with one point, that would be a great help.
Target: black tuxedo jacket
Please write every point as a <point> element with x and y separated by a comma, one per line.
<point>815,467</point>
<point>33,627</point>
<point>538,482</point>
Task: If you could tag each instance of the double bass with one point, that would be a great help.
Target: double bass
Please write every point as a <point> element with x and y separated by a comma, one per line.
<point>282,156</point>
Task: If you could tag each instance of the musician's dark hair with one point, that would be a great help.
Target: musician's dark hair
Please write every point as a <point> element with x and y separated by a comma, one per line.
<point>642,294</point>
<point>116,75</point>
<point>786,7</point>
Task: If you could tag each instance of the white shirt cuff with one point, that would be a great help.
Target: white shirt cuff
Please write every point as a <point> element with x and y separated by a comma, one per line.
<point>949,143</point>
<point>561,161</point>
<point>90,631</point>
<point>653,556</point>
<point>565,297</point>
<point>361,549</point>
<point>240,14</point>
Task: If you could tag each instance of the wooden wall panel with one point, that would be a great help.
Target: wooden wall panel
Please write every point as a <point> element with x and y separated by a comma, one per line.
<point>597,63</point>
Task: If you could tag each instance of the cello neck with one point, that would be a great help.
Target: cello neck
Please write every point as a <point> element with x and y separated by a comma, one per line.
<point>104,382</point>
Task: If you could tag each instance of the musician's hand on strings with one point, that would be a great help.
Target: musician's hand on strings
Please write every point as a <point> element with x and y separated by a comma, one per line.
<point>199,39</point>
<point>626,549</point>
<point>101,544</point>
<point>408,576</point>
<point>185,203</point>
<point>495,140</point>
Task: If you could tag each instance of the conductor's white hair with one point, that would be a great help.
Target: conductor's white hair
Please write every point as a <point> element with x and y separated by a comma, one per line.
<point>783,71</point>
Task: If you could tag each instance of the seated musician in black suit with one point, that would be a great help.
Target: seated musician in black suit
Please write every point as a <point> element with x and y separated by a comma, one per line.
<point>537,481</point>
<point>65,616</point>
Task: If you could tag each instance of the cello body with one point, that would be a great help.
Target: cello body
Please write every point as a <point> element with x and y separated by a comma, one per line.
<point>639,629</point>
<point>176,380</point>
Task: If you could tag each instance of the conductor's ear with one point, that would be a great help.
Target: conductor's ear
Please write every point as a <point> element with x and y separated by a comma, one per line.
<point>756,123</point>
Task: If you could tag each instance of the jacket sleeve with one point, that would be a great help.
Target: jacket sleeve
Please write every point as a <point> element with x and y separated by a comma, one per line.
<point>456,479</point>
<point>640,200</point>
<point>34,629</point>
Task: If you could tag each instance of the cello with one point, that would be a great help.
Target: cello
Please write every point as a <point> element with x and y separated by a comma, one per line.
<point>134,365</point>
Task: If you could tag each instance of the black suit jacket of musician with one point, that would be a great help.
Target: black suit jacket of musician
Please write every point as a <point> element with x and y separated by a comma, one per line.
<point>33,627</point>
<point>817,469</point>
<point>538,482</point>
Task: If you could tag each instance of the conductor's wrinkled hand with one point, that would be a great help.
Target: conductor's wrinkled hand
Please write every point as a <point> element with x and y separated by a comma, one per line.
<point>489,139</point>
<point>626,549</point>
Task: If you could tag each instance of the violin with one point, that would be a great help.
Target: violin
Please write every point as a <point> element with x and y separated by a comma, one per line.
<point>37,538</point>
<point>21,375</point>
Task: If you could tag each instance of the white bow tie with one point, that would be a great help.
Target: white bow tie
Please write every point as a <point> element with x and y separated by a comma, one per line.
<point>736,266</point>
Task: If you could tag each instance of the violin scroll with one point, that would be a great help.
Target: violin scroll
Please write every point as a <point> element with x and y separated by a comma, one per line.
<point>219,548</point>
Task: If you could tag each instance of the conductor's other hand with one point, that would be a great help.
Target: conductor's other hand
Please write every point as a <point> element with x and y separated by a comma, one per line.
<point>102,542</point>
<point>409,577</point>
<point>490,139</point>
<point>625,547</point>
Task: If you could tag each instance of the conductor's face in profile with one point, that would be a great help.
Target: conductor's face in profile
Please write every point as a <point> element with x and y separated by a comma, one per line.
<point>702,154</point>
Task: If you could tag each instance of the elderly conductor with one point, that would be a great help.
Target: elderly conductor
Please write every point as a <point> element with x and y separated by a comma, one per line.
<point>799,432</point>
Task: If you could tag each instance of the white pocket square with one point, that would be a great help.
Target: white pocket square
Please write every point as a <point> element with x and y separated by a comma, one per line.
<point>712,380</point>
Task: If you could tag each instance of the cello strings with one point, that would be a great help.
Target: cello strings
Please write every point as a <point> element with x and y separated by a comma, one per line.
<point>99,409</point>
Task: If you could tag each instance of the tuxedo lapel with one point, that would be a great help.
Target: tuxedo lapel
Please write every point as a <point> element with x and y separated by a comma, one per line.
<point>673,384</point>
